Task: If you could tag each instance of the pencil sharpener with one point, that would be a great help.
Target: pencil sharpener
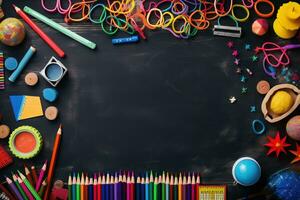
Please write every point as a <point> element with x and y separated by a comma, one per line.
<point>54,71</point>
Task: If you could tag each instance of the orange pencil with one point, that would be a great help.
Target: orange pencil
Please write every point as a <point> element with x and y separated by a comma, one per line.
<point>82,192</point>
<point>41,33</point>
<point>52,162</point>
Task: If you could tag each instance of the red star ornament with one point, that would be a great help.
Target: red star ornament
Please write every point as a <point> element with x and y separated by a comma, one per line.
<point>296,153</point>
<point>277,144</point>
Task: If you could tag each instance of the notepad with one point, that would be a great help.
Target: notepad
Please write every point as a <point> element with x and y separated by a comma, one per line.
<point>25,107</point>
<point>212,192</point>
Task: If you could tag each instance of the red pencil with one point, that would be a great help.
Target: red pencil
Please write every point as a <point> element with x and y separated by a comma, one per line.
<point>197,187</point>
<point>193,186</point>
<point>132,187</point>
<point>40,32</point>
<point>34,175</point>
<point>171,187</point>
<point>99,187</point>
<point>7,193</point>
<point>95,187</point>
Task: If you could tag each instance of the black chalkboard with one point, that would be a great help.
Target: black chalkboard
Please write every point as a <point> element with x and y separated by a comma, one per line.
<point>161,104</point>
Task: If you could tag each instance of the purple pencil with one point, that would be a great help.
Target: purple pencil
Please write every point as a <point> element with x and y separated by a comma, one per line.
<point>41,176</point>
<point>14,188</point>
<point>25,189</point>
<point>116,187</point>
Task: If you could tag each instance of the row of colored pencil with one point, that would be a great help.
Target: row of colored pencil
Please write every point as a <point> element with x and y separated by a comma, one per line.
<point>121,186</point>
<point>26,187</point>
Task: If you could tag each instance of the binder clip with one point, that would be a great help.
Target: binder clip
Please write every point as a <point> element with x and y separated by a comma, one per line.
<point>227,31</point>
<point>54,71</point>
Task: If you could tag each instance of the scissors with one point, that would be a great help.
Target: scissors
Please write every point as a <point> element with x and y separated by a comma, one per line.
<point>275,61</point>
<point>58,7</point>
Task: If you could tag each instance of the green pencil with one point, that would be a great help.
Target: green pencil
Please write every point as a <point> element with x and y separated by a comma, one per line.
<point>155,188</point>
<point>59,27</point>
<point>29,186</point>
<point>70,188</point>
<point>163,187</point>
<point>19,187</point>
<point>78,187</point>
<point>151,186</point>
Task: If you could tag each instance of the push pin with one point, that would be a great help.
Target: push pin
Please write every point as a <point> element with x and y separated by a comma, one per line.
<point>249,71</point>
<point>54,71</point>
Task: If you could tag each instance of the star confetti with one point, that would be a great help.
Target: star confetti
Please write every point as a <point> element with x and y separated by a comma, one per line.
<point>277,145</point>
<point>238,70</point>
<point>243,79</point>
<point>236,61</point>
<point>252,109</point>
<point>230,44</point>
<point>232,99</point>
<point>244,90</point>
<point>235,53</point>
<point>247,47</point>
<point>254,58</point>
<point>296,153</point>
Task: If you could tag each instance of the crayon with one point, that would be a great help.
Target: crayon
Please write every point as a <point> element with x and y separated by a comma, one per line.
<point>197,187</point>
<point>124,187</point>
<point>155,188</point>
<point>70,188</point>
<point>184,190</point>
<point>171,186</point>
<point>116,182</point>
<point>128,188</point>
<point>193,195</point>
<point>107,187</point>
<point>180,187</point>
<point>159,188</point>
<point>29,186</point>
<point>132,188</point>
<point>167,185</point>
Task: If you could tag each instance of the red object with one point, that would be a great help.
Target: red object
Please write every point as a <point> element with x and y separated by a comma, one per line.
<point>5,158</point>
<point>34,175</point>
<point>99,188</point>
<point>7,193</point>
<point>95,187</point>
<point>260,27</point>
<point>171,192</point>
<point>277,144</point>
<point>296,153</point>
<point>59,193</point>
<point>41,33</point>
<point>52,163</point>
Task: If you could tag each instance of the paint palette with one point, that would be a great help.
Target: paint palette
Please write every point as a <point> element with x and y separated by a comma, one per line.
<point>25,142</point>
<point>54,71</point>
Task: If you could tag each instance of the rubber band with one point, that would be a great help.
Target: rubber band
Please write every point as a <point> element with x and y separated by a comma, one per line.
<point>201,23</point>
<point>255,129</point>
<point>167,22</point>
<point>247,5</point>
<point>269,70</point>
<point>165,1</point>
<point>223,14</point>
<point>159,22</point>
<point>264,15</point>
<point>102,15</point>
<point>244,8</point>
<point>231,17</point>
<point>58,7</point>
<point>177,11</point>
<point>84,7</point>
<point>182,29</point>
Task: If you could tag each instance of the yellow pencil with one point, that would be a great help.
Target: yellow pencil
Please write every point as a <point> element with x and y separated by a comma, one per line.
<point>180,187</point>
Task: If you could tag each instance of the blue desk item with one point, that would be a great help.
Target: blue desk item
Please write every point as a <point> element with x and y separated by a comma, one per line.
<point>50,94</point>
<point>22,64</point>
<point>131,39</point>
<point>11,63</point>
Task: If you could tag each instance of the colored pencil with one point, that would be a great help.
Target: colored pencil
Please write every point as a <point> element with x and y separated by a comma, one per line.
<point>95,187</point>
<point>25,189</point>
<point>42,188</point>
<point>124,187</point>
<point>29,186</point>
<point>8,194</point>
<point>41,33</point>
<point>34,175</point>
<point>184,188</point>
<point>82,191</point>
<point>142,189</point>
<point>146,186</point>
<point>197,187</point>
<point>167,185</point>
<point>41,177</point>
<point>86,187</point>
<point>74,187</point>
<point>52,162</point>
<point>151,185</point>
<point>155,188</point>
<point>193,186</point>
<point>91,189</point>
<point>175,188</point>
<point>163,186</point>
<point>116,182</point>
<point>137,188</point>
<point>28,175</point>
<point>120,187</point>
<point>111,188</point>
<point>59,28</point>
<point>103,187</point>
<point>99,187</point>
<point>159,188</point>
<point>128,188</point>
<point>14,188</point>
<point>70,188</point>
<point>171,195</point>
<point>132,188</point>
<point>189,187</point>
<point>78,187</point>
<point>19,187</point>
<point>107,188</point>
<point>180,187</point>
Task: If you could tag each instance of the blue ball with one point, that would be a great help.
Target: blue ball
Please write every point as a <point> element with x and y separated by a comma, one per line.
<point>246,171</point>
<point>50,94</point>
<point>11,63</point>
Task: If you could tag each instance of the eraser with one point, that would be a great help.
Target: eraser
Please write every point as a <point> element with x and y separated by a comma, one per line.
<point>4,131</point>
<point>50,94</point>
<point>11,63</point>
<point>51,113</point>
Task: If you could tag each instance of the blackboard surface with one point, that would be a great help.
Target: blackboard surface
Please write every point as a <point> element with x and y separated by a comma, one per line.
<point>161,104</point>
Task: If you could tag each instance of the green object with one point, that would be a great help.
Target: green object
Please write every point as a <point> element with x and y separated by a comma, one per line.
<point>155,191</point>
<point>59,27</point>
<point>25,129</point>
<point>175,192</point>
<point>78,188</point>
<point>29,186</point>
<point>163,191</point>
<point>69,192</point>
<point>151,187</point>
<point>20,190</point>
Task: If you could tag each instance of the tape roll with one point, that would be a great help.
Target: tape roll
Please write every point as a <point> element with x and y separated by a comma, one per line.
<point>25,142</point>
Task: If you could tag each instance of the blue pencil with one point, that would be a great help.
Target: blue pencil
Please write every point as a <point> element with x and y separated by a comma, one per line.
<point>146,186</point>
<point>137,188</point>
<point>111,188</point>
<point>142,188</point>
<point>91,189</point>
<point>74,187</point>
<point>103,188</point>
<point>107,193</point>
